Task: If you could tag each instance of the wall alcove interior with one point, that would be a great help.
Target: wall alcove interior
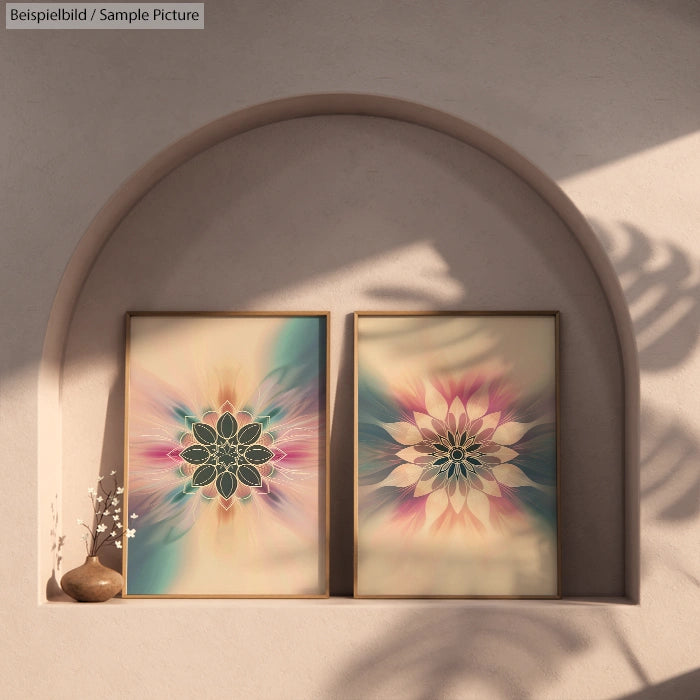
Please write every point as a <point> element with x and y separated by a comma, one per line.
<point>349,211</point>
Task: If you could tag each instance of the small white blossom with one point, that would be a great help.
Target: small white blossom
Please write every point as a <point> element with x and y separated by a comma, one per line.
<point>134,516</point>
<point>108,499</point>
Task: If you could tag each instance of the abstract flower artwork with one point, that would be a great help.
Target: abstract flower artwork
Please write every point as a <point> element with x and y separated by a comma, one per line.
<point>226,454</point>
<point>456,455</point>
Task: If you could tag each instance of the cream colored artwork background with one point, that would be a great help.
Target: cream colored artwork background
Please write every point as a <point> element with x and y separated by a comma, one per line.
<point>226,455</point>
<point>456,456</point>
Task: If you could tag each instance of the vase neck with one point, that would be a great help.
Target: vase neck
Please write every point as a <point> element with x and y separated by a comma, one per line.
<point>92,560</point>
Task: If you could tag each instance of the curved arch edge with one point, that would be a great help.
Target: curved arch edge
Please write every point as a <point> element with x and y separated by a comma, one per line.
<point>325,104</point>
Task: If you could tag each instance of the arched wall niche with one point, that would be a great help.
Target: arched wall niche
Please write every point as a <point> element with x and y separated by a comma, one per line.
<point>347,202</point>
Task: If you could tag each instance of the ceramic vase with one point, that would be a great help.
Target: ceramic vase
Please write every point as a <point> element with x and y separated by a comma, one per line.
<point>92,582</point>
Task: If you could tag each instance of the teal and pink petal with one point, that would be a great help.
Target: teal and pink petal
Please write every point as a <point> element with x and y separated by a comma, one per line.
<point>451,451</point>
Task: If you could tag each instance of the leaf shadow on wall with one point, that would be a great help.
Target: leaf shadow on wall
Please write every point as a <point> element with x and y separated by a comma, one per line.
<point>670,491</point>
<point>494,651</point>
<point>434,654</point>
<point>486,652</point>
<point>670,473</point>
<point>662,286</point>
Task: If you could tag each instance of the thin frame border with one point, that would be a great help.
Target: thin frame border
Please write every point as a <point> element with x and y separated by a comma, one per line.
<point>326,315</point>
<point>392,314</point>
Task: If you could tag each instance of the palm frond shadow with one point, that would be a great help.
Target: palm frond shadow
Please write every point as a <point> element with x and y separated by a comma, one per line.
<point>670,470</point>
<point>499,654</point>
<point>478,652</point>
<point>662,286</point>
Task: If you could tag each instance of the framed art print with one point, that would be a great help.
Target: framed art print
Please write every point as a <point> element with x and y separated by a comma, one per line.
<point>226,455</point>
<point>456,477</point>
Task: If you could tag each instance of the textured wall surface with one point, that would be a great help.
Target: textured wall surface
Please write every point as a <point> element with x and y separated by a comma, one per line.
<point>603,97</point>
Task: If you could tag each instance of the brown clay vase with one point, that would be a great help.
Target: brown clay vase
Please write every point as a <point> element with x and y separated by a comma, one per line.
<point>92,582</point>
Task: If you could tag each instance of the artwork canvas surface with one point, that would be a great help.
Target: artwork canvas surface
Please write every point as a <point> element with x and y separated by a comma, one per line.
<point>226,455</point>
<point>456,455</point>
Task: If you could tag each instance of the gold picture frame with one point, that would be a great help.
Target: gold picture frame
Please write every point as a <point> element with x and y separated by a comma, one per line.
<point>428,522</point>
<point>226,454</point>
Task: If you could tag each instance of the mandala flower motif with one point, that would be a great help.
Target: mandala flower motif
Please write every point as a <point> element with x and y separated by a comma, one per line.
<point>458,454</point>
<point>227,458</point>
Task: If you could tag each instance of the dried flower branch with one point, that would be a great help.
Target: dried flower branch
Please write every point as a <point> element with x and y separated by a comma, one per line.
<point>103,534</point>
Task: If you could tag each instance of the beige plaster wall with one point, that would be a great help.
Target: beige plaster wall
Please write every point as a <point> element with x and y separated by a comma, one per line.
<point>603,98</point>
